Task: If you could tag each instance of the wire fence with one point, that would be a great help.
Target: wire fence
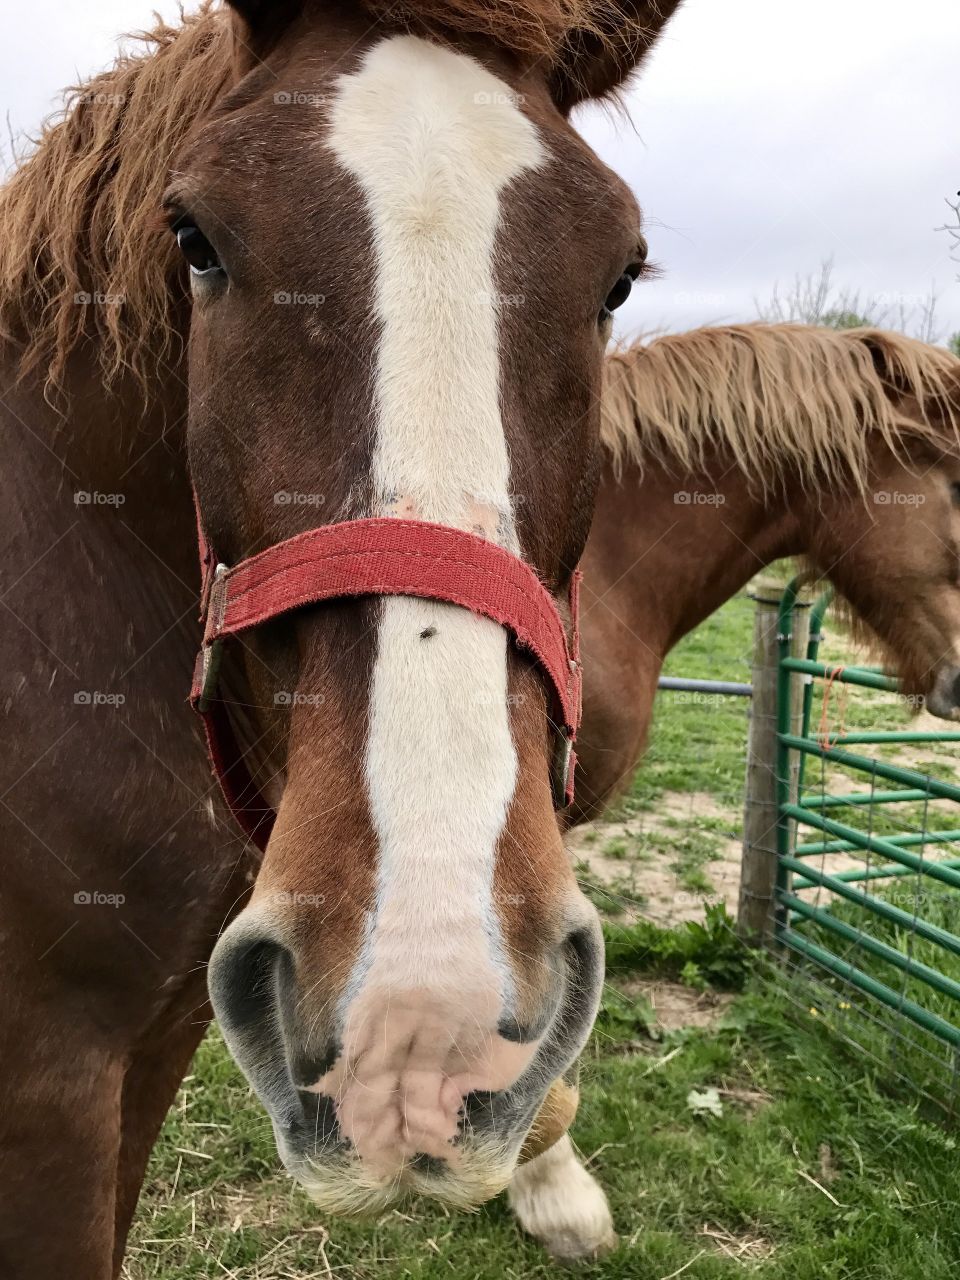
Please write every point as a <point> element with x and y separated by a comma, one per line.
<point>867,897</point>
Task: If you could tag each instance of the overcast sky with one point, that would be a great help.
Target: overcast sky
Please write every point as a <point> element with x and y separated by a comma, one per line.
<point>764,138</point>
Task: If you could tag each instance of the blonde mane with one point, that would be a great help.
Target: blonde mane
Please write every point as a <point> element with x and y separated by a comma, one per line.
<point>778,398</point>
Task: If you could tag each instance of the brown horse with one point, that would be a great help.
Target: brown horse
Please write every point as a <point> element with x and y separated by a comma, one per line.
<point>313,247</point>
<point>734,447</point>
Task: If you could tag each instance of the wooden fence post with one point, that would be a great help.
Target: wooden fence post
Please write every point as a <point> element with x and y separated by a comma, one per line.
<point>758,875</point>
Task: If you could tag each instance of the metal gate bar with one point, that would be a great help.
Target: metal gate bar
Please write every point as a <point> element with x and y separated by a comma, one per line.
<point>856,934</point>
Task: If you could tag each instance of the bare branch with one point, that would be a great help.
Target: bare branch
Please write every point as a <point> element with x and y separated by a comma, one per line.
<point>953,228</point>
<point>814,299</point>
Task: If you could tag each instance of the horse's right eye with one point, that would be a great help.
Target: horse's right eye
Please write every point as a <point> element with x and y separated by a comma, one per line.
<point>196,248</point>
<point>955,492</point>
<point>617,295</point>
<point>621,290</point>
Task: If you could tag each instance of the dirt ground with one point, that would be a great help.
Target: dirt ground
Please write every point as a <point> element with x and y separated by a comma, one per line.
<point>676,1006</point>
<point>653,889</point>
<point>644,879</point>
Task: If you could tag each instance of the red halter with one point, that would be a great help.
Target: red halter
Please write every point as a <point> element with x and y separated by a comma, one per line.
<point>379,557</point>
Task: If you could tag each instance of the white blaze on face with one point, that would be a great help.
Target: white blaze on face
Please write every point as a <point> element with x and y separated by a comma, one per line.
<point>433,139</point>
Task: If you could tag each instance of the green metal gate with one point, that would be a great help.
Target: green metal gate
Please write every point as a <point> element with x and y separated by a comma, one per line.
<point>868,896</point>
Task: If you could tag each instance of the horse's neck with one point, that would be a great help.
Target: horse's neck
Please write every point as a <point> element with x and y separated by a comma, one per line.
<point>101,758</point>
<point>672,548</point>
<point>98,501</point>
<point>664,552</point>
<point>718,545</point>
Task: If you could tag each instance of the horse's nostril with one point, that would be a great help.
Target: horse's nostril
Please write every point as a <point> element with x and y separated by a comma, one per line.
<point>955,689</point>
<point>307,1070</point>
<point>243,979</point>
<point>585,961</point>
<point>252,990</point>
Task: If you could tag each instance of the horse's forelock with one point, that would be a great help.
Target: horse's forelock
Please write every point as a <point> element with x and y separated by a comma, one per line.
<point>540,28</point>
<point>83,253</point>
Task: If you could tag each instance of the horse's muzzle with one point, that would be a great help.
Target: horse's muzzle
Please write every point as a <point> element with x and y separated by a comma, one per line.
<point>943,700</point>
<point>427,1092</point>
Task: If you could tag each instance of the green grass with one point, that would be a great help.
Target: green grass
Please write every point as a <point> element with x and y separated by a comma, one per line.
<point>693,847</point>
<point>796,1108</point>
<point>698,742</point>
<point>928,1062</point>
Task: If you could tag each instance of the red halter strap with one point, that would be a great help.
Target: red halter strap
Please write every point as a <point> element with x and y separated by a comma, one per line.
<point>379,557</point>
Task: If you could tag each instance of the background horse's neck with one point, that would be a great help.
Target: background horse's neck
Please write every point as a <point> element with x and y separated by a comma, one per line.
<point>665,551</point>
<point>669,549</point>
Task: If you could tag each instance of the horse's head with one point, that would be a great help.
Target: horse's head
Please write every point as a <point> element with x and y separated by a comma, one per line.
<point>894,551</point>
<point>403,263</point>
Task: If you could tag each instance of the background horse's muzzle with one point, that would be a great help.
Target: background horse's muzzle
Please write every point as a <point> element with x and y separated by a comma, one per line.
<point>943,700</point>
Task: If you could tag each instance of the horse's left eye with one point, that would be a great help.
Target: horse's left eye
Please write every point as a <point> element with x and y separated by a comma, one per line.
<point>619,293</point>
<point>197,249</point>
<point>955,492</point>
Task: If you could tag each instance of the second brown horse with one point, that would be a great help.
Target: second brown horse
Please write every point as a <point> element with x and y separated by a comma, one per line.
<point>734,447</point>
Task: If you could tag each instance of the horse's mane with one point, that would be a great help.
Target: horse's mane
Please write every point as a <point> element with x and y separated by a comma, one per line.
<point>79,217</point>
<point>778,398</point>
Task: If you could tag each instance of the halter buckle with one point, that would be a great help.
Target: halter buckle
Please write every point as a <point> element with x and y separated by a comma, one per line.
<point>215,603</point>
<point>211,655</point>
<point>562,767</point>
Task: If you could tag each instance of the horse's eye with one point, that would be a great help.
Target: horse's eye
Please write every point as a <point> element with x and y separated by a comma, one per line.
<point>197,249</point>
<point>955,492</point>
<point>619,293</point>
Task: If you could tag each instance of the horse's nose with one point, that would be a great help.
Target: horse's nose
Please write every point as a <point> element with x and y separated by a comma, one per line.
<point>388,1078</point>
<point>943,700</point>
<point>408,1060</point>
<point>389,1067</point>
